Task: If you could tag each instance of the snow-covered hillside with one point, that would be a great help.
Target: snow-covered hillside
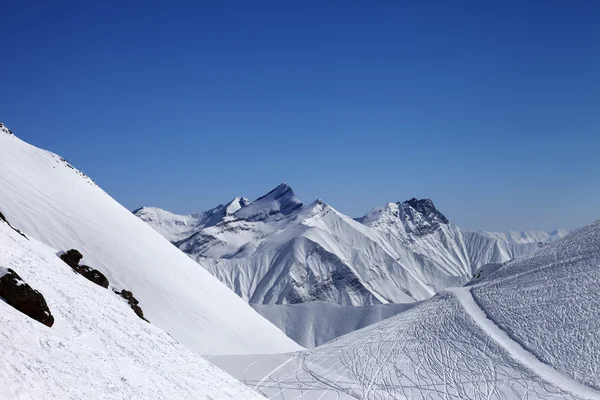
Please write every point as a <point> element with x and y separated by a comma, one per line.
<point>44,196</point>
<point>276,250</point>
<point>315,323</point>
<point>97,347</point>
<point>527,330</point>
<point>528,236</point>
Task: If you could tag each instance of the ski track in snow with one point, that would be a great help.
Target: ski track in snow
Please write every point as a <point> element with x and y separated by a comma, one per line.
<point>516,350</point>
<point>435,351</point>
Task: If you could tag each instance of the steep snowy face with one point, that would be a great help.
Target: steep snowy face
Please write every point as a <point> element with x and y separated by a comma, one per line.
<point>95,334</point>
<point>413,217</point>
<point>54,203</point>
<point>275,205</point>
<point>420,217</point>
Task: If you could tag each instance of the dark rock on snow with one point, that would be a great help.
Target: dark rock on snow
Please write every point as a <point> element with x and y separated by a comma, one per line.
<point>72,259</point>
<point>3,218</point>
<point>24,298</point>
<point>133,302</point>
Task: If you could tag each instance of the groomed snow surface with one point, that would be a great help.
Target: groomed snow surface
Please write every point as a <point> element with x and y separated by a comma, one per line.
<point>97,348</point>
<point>527,331</point>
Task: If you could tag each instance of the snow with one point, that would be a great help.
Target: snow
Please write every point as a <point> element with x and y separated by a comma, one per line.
<point>528,330</point>
<point>400,253</point>
<point>51,201</point>
<point>518,237</point>
<point>279,202</point>
<point>313,324</point>
<point>176,227</point>
<point>550,303</point>
<point>97,348</point>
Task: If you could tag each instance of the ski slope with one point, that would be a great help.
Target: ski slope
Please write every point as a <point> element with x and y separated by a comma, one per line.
<point>44,196</point>
<point>97,348</point>
<point>527,330</point>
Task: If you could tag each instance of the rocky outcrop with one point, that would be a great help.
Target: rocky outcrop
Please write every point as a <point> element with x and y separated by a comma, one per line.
<point>4,129</point>
<point>3,218</point>
<point>72,259</point>
<point>133,303</point>
<point>24,298</point>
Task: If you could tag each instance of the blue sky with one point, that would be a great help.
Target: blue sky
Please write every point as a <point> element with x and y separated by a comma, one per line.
<point>492,109</point>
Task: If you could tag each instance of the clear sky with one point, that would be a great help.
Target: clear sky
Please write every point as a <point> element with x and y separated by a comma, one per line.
<point>490,108</point>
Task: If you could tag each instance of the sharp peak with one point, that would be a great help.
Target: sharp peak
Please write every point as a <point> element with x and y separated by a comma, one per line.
<point>281,189</point>
<point>424,207</point>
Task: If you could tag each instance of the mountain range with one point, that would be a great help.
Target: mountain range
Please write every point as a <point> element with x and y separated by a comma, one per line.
<point>278,250</point>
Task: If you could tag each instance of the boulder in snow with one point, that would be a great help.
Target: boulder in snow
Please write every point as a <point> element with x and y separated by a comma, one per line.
<point>72,259</point>
<point>24,298</point>
<point>133,303</point>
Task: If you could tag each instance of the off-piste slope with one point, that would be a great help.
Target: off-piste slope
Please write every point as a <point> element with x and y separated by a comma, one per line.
<point>97,347</point>
<point>527,330</point>
<point>43,195</point>
<point>277,250</point>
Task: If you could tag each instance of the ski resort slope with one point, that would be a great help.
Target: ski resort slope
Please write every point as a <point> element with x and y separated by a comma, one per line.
<point>97,348</point>
<point>43,195</point>
<point>528,330</point>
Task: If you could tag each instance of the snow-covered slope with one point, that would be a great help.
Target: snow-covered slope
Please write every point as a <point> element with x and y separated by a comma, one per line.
<point>276,250</point>
<point>528,236</point>
<point>97,348</point>
<point>528,330</point>
<point>43,195</point>
<point>313,324</point>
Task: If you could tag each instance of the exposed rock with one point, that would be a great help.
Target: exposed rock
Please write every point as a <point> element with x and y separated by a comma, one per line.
<point>24,298</point>
<point>4,129</point>
<point>72,259</point>
<point>3,218</point>
<point>133,303</point>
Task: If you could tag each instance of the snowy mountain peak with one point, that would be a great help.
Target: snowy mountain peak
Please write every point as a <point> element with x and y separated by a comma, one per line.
<point>420,217</point>
<point>234,205</point>
<point>279,202</point>
<point>4,129</point>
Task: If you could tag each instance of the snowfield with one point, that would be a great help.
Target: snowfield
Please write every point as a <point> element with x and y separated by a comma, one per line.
<point>97,348</point>
<point>527,330</point>
<point>48,199</point>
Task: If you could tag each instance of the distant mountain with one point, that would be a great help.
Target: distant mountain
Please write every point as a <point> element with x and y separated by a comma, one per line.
<point>177,227</point>
<point>278,250</point>
<point>520,237</point>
